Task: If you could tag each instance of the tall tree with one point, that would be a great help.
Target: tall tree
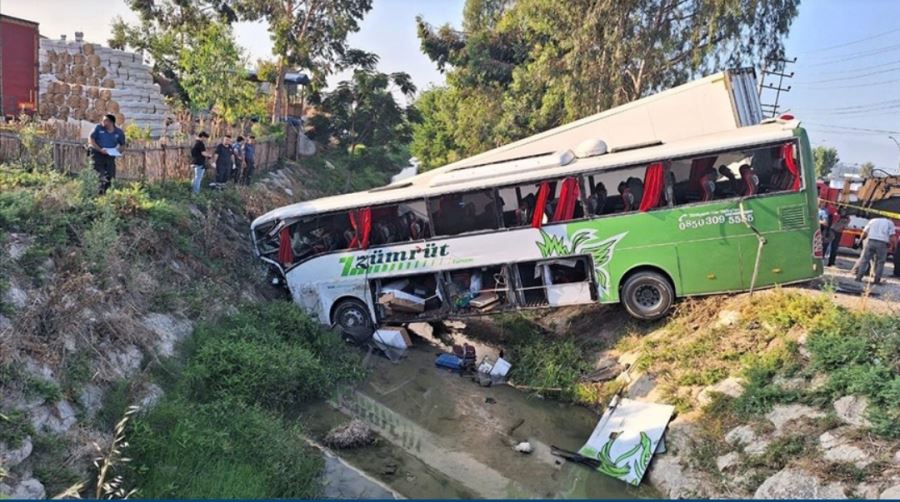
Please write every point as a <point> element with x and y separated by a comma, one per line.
<point>825,157</point>
<point>867,170</point>
<point>547,62</point>
<point>309,34</point>
<point>362,114</point>
<point>163,28</point>
<point>215,76</point>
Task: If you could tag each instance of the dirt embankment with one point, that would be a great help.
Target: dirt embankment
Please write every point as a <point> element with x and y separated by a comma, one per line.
<point>95,293</point>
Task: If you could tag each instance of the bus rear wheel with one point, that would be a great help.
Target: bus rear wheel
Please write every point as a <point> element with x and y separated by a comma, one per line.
<point>647,295</point>
<point>352,316</point>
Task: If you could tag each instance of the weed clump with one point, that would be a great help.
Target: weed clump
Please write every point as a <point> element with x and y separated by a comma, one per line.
<point>272,355</point>
<point>227,398</point>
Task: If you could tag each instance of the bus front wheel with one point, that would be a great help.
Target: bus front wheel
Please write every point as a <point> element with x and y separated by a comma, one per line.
<point>647,295</point>
<point>354,320</point>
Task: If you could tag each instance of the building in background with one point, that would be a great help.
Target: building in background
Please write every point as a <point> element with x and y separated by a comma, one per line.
<point>18,66</point>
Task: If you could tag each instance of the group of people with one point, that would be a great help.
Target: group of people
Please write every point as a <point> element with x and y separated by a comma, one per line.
<point>234,160</point>
<point>876,238</point>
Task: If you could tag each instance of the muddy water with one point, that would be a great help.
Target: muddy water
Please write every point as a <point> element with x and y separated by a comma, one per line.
<point>444,436</point>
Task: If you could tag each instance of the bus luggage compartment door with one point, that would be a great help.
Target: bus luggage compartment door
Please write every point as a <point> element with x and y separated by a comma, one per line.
<point>710,266</point>
<point>557,282</point>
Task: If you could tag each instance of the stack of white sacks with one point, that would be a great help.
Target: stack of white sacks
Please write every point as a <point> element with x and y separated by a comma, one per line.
<point>82,82</point>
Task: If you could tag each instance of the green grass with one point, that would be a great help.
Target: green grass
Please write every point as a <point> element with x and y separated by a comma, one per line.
<point>272,355</point>
<point>14,427</point>
<point>219,430</point>
<point>48,463</point>
<point>222,449</point>
<point>14,376</point>
<point>859,352</point>
<point>76,373</point>
<point>781,451</point>
<point>115,401</point>
<point>543,361</point>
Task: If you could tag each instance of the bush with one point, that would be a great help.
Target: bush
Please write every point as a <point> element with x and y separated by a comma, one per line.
<point>35,153</point>
<point>14,427</point>
<point>224,449</point>
<point>101,240</point>
<point>271,355</point>
<point>217,432</point>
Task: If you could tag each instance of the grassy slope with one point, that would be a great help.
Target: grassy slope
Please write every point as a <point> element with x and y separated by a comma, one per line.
<point>155,248</point>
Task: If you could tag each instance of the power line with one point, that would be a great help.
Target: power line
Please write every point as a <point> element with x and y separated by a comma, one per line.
<point>830,130</point>
<point>876,105</point>
<point>854,112</point>
<point>863,68</point>
<point>859,55</point>
<point>861,75</point>
<point>850,86</point>
<point>845,44</point>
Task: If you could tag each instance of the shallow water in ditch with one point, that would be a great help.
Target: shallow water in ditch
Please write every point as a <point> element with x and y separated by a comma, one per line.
<point>442,438</point>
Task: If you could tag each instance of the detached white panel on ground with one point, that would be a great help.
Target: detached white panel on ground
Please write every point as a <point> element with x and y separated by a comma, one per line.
<point>626,437</point>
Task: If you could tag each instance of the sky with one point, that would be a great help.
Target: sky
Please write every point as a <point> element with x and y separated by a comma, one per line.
<point>845,89</point>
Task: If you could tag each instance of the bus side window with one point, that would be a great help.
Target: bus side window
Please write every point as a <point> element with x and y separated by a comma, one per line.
<point>399,223</point>
<point>518,203</point>
<point>770,165</point>
<point>458,213</point>
<point>596,196</point>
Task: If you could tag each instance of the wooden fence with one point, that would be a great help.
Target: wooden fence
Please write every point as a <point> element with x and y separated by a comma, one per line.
<point>145,163</point>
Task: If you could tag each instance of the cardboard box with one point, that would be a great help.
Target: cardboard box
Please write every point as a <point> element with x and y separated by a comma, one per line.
<point>395,337</point>
<point>398,301</point>
<point>484,300</point>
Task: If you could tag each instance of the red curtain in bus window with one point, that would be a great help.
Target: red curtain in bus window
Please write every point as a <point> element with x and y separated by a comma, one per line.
<point>285,252</point>
<point>698,167</point>
<point>543,194</point>
<point>365,222</point>
<point>361,222</point>
<point>568,196</point>
<point>654,182</point>
<point>787,152</point>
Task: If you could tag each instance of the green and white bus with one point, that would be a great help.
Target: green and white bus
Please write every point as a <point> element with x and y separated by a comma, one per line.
<point>639,225</point>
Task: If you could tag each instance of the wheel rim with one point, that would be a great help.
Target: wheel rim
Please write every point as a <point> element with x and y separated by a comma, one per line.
<point>352,318</point>
<point>647,296</point>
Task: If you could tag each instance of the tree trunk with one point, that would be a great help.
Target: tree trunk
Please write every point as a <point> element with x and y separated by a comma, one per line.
<point>277,108</point>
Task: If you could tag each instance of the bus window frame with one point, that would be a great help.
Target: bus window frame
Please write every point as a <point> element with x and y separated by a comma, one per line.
<point>400,203</point>
<point>769,144</point>
<point>498,213</point>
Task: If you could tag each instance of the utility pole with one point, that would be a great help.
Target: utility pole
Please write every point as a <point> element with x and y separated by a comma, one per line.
<point>778,70</point>
<point>898,149</point>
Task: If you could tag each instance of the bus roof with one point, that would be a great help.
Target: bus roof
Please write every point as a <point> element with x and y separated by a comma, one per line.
<point>449,179</point>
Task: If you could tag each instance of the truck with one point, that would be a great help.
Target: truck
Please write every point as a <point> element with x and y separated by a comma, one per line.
<point>19,70</point>
<point>863,199</point>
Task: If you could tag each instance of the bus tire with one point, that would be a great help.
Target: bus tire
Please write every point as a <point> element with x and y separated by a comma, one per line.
<point>647,295</point>
<point>352,316</point>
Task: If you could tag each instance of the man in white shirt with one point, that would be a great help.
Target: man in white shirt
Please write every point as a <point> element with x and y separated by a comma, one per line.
<point>878,233</point>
